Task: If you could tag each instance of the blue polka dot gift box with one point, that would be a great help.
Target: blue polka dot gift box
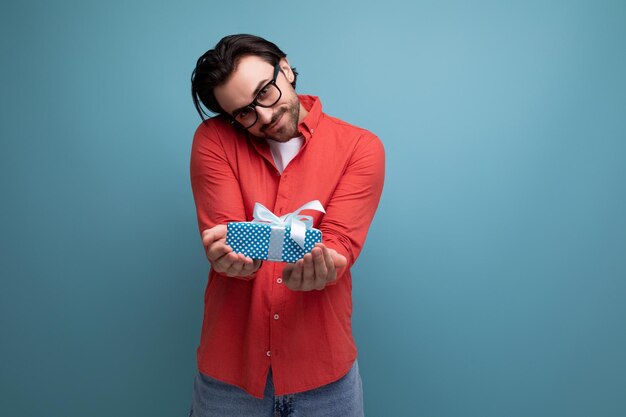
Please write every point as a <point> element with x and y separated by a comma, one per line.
<point>269,237</point>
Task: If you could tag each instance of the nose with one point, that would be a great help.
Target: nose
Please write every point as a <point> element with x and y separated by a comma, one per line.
<point>265,114</point>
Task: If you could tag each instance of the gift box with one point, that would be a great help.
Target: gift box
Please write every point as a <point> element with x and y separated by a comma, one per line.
<point>269,237</point>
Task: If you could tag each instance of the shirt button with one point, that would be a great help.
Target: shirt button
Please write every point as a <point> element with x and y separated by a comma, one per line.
<point>279,280</point>
<point>276,316</point>
<point>312,131</point>
<point>268,353</point>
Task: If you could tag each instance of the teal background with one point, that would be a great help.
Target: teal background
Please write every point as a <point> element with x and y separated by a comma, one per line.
<point>493,279</point>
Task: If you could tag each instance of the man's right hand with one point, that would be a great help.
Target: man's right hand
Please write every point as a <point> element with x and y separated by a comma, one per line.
<point>223,259</point>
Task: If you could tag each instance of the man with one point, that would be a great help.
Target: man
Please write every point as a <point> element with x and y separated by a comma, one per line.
<point>277,338</point>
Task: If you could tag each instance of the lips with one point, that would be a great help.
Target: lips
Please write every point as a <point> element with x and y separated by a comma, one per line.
<point>276,123</point>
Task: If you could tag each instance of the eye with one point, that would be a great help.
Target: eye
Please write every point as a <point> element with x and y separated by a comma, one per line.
<point>263,92</point>
<point>243,114</point>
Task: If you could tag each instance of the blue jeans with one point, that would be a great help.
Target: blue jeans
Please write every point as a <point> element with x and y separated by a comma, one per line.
<point>342,398</point>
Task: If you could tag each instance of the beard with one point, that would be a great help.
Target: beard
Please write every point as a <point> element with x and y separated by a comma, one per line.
<point>290,114</point>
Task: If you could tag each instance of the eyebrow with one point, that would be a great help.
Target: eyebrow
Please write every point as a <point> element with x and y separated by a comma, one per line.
<point>254,93</point>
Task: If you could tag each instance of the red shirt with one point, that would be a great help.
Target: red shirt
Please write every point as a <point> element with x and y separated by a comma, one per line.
<point>249,325</point>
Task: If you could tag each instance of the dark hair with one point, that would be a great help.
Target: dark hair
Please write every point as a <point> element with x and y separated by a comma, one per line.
<point>216,65</point>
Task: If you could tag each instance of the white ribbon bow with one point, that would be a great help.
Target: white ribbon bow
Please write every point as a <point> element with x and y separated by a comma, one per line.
<point>298,223</point>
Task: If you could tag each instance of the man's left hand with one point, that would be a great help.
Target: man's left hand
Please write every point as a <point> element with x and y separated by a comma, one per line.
<point>316,270</point>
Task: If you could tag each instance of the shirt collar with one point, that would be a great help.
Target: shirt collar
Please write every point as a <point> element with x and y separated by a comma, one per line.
<point>313,106</point>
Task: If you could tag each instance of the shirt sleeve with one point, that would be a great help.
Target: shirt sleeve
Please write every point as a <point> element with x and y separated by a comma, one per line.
<point>351,208</point>
<point>215,188</point>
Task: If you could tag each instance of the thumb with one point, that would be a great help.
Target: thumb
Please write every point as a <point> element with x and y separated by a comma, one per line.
<point>339,260</point>
<point>215,233</point>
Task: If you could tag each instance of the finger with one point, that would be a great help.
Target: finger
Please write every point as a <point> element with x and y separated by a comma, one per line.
<point>221,264</point>
<point>339,260</point>
<point>321,271</point>
<point>242,266</point>
<point>330,265</point>
<point>308,273</point>
<point>217,250</point>
<point>234,271</point>
<point>249,266</point>
<point>308,268</point>
<point>225,262</point>
<point>215,233</point>
<point>287,270</point>
<point>293,281</point>
<point>237,266</point>
<point>257,264</point>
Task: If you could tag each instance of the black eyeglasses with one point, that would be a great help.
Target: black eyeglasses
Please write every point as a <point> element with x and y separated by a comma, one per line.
<point>266,97</point>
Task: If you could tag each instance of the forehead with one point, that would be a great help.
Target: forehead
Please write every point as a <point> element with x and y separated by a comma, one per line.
<point>238,90</point>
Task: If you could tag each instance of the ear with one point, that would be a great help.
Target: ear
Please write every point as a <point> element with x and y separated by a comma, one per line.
<point>286,69</point>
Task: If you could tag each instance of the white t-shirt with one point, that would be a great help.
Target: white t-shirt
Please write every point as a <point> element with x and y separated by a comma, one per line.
<point>284,152</point>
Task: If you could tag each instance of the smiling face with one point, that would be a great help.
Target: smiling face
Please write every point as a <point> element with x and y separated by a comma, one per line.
<point>278,122</point>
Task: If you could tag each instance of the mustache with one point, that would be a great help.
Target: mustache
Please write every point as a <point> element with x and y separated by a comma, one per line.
<point>274,119</point>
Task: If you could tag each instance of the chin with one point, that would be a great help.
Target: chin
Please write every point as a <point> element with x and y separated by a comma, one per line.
<point>284,133</point>
<point>281,138</point>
